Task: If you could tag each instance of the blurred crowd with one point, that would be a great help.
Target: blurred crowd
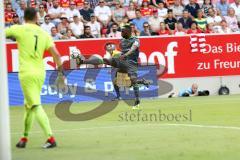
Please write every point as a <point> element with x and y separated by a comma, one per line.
<point>76,19</point>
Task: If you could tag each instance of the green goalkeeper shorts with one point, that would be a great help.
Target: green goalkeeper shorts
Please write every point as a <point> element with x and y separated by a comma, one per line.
<point>31,85</point>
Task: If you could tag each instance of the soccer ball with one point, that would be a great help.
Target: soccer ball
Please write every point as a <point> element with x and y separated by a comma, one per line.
<point>75,53</point>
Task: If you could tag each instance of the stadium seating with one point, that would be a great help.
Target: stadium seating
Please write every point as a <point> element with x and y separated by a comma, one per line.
<point>61,18</point>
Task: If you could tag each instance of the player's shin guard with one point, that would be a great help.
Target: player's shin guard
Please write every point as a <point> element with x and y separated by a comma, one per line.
<point>42,119</point>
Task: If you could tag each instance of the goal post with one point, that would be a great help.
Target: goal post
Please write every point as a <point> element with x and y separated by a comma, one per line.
<point>5,145</point>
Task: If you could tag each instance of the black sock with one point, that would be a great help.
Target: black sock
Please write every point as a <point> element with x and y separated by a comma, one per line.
<point>117,90</point>
<point>136,92</point>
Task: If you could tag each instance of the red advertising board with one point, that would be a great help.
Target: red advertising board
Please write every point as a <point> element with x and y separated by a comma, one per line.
<point>179,56</point>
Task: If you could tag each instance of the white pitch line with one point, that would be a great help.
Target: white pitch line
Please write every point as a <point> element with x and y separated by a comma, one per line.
<point>137,125</point>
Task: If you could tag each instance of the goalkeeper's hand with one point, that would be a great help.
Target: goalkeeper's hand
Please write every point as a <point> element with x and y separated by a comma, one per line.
<point>61,80</point>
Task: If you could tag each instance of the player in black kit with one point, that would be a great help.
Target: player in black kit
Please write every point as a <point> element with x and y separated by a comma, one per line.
<point>127,62</point>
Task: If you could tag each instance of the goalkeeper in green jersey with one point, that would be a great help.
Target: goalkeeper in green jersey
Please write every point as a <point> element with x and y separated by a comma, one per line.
<point>32,41</point>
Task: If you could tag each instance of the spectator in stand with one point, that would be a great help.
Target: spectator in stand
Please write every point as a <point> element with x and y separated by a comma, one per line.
<point>169,3</point>
<point>64,4</point>
<point>8,14</point>
<point>223,6</point>
<point>134,30</point>
<point>76,26</point>
<point>154,21</point>
<point>231,20</point>
<point>192,8</point>
<point>207,4</point>
<point>103,13</point>
<point>124,22</point>
<point>110,3</point>
<point>125,3</point>
<point>41,14</point>
<point>86,12</point>
<point>47,25</point>
<point>87,33</point>
<point>162,11</point>
<point>202,22</point>
<point>146,31</point>
<point>55,35</point>
<point>179,30</point>
<point>63,25</point>
<point>114,33</point>
<point>104,35</point>
<point>55,12</point>
<point>185,2</point>
<point>95,26</point>
<point>139,20</point>
<point>79,4</point>
<point>186,20</point>
<point>236,7</point>
<point>118,13</point>
<point>70,12</point>
<point>33,3</point>
<point>224,28</point>
<point>155,3</point>
<point>20,11</point>
<point>131,12</point>
<point>16,19</point>
<point>194,28</point>
<point>48,4</point>
<point>218,12</point>
<point>69,35</point>
<point>15,4</point>
<point>210,28</point>
<point>177,9</point>
<point>214,19</point>
<point>146,11</point>
<point>170,21</point>
<point>93,3</point>
<point>163,30</point>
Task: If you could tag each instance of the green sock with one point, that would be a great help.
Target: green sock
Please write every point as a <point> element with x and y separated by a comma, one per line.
<point>42,119</point>
<point>28,121</point>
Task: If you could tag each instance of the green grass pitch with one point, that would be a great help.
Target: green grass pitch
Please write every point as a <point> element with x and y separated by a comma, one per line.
<point>213,133</point>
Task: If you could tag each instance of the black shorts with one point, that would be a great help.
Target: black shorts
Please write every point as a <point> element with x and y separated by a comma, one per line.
<point>126,66</point>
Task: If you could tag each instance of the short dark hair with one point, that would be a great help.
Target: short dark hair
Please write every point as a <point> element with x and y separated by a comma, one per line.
<point>193,22</point>
<point>169,11</point>
<point>126,27</point>
<point>114,24</point>
<point>138,10</point>
<point>47,16</point>
<point>145,23</point>
<point>29,14</point>
<point>86,27</point>
<point>8,4</point>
